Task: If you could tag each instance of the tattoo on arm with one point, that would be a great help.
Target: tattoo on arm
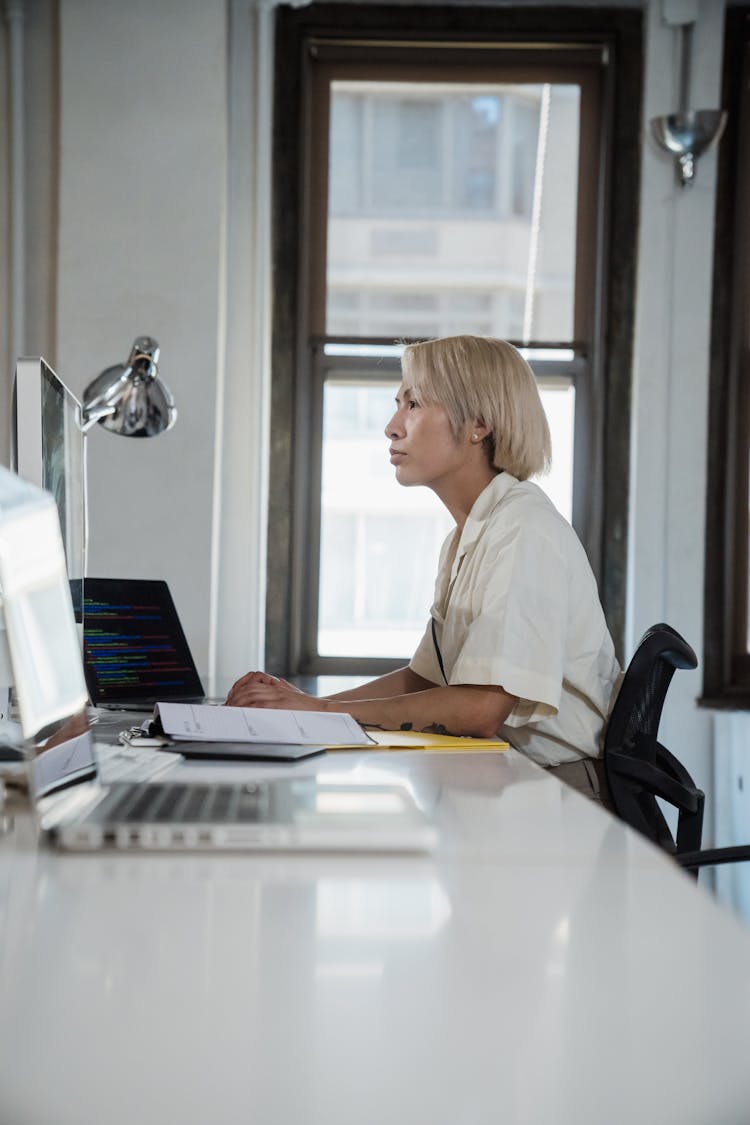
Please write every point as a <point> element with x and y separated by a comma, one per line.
<point>435,728</point>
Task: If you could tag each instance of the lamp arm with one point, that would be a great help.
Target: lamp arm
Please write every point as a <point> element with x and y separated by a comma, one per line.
<point>92,414</point>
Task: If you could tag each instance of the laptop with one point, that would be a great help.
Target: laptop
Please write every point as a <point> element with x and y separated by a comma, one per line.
<point>72,805</point>
<point>135,652</point>
<point>279,814</point>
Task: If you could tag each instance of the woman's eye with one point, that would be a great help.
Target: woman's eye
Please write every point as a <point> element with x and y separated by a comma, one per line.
<point>412,404</point>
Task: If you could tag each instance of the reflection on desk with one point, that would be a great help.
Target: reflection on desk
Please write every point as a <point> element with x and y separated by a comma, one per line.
<point>526,972</point>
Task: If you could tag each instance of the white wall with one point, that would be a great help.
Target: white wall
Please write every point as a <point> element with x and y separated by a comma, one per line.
<point>140,245</point>
<point>670,390</point>
<point>147,194</point>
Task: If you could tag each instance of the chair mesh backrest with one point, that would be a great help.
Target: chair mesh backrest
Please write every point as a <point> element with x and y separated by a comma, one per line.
<point>645,715</point>
<point>639,703</point>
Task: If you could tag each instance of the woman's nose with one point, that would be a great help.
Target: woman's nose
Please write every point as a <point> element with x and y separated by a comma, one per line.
<point>393,428</point>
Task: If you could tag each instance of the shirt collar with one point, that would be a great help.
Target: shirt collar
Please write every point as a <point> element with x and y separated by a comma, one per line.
<point>483,507</point>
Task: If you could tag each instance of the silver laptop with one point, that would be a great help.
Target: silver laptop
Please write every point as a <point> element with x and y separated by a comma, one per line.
<point>279,814</point>
<point>76,810</point>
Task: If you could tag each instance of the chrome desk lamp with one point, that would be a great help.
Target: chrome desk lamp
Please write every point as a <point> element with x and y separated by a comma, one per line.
<point>689,132</point>
<point>130,399</point>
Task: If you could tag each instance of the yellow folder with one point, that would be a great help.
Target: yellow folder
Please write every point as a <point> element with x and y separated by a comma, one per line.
<point>423,740</point>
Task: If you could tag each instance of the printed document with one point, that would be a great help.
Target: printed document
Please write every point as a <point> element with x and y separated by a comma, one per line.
<point>200,722</point>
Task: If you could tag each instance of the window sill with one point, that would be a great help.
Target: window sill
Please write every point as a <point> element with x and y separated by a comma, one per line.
<point>729,702</point>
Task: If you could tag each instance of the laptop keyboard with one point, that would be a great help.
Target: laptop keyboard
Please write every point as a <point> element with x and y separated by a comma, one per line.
<point>127,763</point>
<point>187,804</point>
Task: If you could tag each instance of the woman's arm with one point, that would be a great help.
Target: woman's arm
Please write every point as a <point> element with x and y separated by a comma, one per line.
<point>401,682</point>
<point>474,710</point>
<point>466,709</point>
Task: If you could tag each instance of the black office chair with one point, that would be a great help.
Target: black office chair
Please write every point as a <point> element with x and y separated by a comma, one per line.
<point>639,769</point>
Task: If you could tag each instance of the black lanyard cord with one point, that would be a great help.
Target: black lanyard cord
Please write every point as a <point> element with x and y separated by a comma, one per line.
<point>437,650</point>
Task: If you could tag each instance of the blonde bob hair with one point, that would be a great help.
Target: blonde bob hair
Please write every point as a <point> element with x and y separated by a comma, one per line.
<point>483,379</point>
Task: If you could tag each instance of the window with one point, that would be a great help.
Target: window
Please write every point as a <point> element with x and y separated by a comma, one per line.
<point>727,613</point>
<point>459,184</point>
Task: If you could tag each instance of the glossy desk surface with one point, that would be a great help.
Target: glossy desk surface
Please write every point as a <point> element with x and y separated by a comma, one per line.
<point>544,966</point>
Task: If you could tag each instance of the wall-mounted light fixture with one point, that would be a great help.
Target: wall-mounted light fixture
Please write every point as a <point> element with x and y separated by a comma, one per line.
<point>130,398</point>
<point>689,132</point>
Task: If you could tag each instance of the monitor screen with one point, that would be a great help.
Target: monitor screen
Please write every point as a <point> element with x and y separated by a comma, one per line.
<point>49,450</point>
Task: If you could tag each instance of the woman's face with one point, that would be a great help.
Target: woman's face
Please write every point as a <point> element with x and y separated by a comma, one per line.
<point>423,448</point>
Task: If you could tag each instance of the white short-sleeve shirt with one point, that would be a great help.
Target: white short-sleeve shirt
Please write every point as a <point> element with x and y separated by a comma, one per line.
<point>516,605</point>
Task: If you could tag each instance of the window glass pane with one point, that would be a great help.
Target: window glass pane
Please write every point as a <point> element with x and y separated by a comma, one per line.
<point>525,141</point>
<point>393,592</point>
<point>558,401</point>
<point>448,190</point>
<point>476,121</point>
<point>376,579</point>
<point>380,542</point>
<point>407,144</point>
<point>346,140</point>
<point>337,576</point>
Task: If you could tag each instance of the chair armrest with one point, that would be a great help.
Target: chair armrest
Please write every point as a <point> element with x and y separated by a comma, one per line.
<point>655,780</point>
<point>713,856</point>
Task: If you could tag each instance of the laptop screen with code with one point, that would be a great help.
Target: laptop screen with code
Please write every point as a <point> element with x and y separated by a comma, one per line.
<point>133,644</point>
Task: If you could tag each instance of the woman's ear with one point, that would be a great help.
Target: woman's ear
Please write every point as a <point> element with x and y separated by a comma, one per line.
<point>479,430</point>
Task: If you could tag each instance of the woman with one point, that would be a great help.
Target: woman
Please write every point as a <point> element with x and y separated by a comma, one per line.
<point>517,641</point>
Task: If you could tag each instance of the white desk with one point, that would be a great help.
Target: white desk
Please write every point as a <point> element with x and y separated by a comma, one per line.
<point>546,966</point>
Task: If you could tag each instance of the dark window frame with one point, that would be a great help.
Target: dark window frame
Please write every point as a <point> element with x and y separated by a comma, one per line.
<point>726,663</point>
<point>292,400</point>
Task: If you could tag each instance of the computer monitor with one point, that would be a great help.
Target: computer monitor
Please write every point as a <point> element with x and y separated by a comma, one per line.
<point>37,610</point>
<point>48,449</point>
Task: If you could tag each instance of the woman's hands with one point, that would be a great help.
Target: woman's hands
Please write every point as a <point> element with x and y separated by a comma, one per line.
<point>259,689</point>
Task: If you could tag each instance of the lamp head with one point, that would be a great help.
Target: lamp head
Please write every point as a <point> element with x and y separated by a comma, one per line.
<point>130,399</point>
<point>687,135</point>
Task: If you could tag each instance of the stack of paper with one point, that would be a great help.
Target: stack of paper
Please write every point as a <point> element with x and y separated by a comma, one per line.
<point>204,723</point>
